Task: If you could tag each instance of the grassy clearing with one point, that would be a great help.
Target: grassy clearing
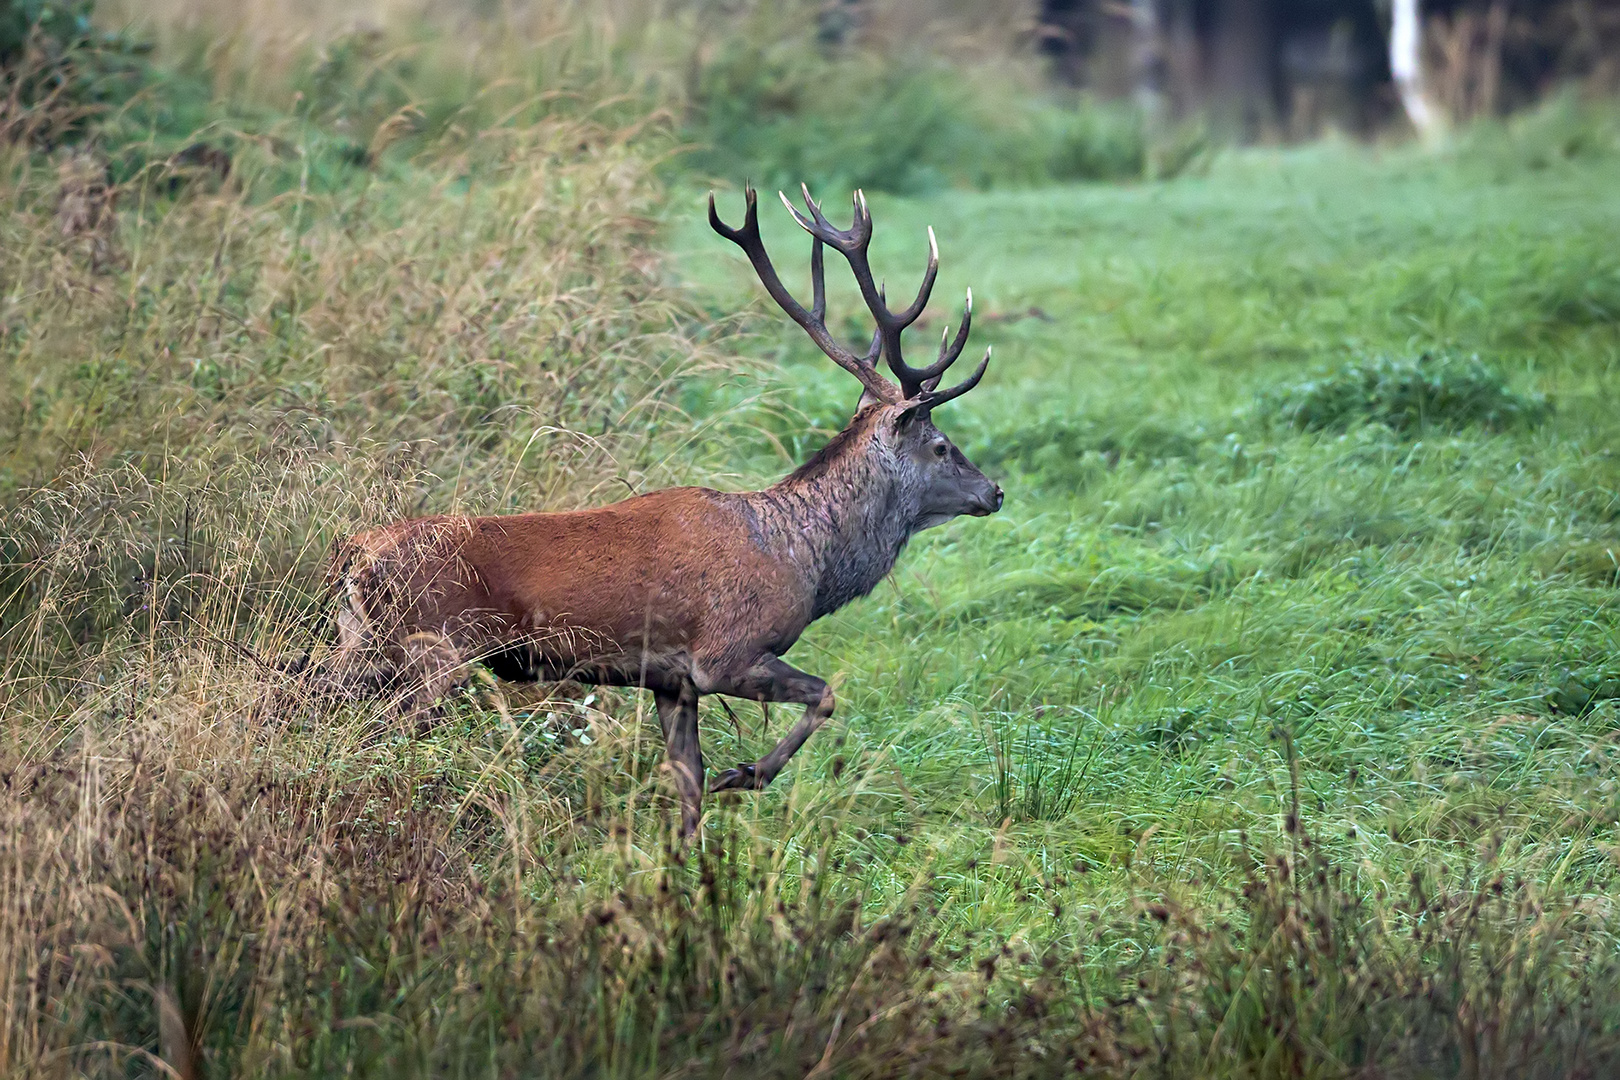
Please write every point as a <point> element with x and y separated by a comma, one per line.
<point>1185,574</point>
<point>1417,600</point>
<point>1240,744</point>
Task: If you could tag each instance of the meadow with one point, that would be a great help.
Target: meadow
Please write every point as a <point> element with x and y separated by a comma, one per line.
<point>1267,731</point>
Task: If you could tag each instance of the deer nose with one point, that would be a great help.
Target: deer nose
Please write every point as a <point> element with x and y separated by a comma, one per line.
<point>999,496</point>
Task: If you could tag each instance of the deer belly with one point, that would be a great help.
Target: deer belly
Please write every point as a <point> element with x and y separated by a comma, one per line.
<point>558,648</point>
<point>529,663</point>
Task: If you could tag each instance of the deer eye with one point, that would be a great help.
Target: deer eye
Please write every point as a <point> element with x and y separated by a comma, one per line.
<point>940,450</point>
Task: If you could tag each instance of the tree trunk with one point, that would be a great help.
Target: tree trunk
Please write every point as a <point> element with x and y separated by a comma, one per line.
<point>1406,66</point>
<point>1490,74</point>
<point>1147,62</point>
<point>1244,67</point>
<point>1184,60</point>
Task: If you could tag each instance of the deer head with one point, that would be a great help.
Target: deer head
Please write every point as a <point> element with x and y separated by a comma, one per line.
<point>946,483</point>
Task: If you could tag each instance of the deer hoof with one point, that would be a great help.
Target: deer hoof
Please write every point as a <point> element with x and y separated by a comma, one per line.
<point>427,718</point>
<point>743,777</point>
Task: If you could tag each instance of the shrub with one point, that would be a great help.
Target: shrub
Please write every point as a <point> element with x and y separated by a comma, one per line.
<point>1405,395</point>
<point>785,115</point>
<point>60,26</point>
<point>1578,692</point>
<point>57,71</point>
<point>1573,287</point>
<point>783,112</point>
<point>1057,448</point>
<point>1096,141</point>
<point>1562,130</point>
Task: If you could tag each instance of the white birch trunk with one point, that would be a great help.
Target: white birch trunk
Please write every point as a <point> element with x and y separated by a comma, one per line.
<point>1406,65</point>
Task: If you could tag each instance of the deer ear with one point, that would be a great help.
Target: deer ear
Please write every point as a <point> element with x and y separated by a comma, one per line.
<point>908,416</point>
<point>867,398</point>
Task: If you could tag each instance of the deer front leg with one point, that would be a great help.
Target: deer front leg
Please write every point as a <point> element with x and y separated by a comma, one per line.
<point>773,679</point>
<point>678,714</point>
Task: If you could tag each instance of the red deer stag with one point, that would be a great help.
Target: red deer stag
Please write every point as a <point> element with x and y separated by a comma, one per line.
<point>686,591</point>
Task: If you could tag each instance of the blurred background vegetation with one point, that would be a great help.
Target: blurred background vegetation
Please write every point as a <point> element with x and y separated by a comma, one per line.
<point>900,96</point>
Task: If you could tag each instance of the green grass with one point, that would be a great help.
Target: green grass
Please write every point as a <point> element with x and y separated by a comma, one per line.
<point>1178,574</point>
<point>1268,730</point>
<point>1426,611</point>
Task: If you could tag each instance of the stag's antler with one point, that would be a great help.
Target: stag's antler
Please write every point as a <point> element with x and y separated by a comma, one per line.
<point>814,321</point>
<point>918,386</point>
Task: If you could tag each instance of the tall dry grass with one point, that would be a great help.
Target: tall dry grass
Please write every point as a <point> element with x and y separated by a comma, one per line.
<point>192,885</point>
<point>900,96</point>
<point>490,331</point>
<point>201,388</point>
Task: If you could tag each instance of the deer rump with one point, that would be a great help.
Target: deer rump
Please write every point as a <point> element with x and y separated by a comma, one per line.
<point>648,592</point>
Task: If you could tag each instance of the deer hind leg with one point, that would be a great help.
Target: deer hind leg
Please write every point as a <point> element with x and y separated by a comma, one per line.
<point>773,679</point>
<point>678,714</point>
<point>432,667</point>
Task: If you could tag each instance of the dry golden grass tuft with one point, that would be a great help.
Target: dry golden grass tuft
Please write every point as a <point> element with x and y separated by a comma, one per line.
<point>202,388</point>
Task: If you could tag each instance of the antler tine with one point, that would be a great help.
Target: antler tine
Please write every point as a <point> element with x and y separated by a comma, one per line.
<point>916,384</point>
<point>852,243</point>
<point>818,283</point>
<point>821,219</point>
<point>948,350</point>
<point>750,219</point>
<point>932,399</point>
<point>909,316</point>
<point>794,210</point>
<point>944,346</point>
<point>846,241</point>
<point>813,322</point>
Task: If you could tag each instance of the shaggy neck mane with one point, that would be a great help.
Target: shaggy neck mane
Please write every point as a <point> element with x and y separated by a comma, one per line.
<point>848,512</point>
<point>827,459</point>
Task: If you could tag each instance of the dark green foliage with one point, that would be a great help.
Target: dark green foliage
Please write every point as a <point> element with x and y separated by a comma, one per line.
<point>1179,729</point>
<point>1040,760</point>
<point>1577,287</point>
<point>57,25</point>
<point>1594,563</point>
<point>1065,449</point>
<point>782,116</point>
<point>1096,141</point>
<point>1578,692</point>
<point>58,74</point>
<point>1409,396</point>
<point>1562,131</point>
<point>782,113</point>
